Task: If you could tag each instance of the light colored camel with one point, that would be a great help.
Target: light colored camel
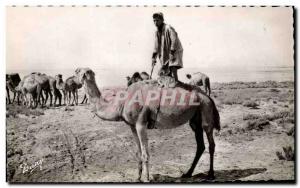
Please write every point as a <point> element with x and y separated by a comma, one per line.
<point>200,79</point>
<point>85,97</point>
<point>29,87</point>
<point>70,86</point>
<point>32,87</point>
<point>202,117</point>
<point>43,86</point>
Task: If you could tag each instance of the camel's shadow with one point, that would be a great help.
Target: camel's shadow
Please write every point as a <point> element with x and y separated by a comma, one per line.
<point>220,176</point>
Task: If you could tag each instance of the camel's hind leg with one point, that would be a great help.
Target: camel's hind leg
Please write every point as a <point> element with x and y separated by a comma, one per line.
<point>210,138</point>
<point>207,115</point>
<point>84,99</point>
<point>76,94</point>
<point>65,97</point>
<point>51,96</point>
<point>46,99</point>
<point>74,97</point>
<point>195,124</point>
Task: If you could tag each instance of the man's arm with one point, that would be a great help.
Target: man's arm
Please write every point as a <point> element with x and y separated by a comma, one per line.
<point>173,36</point>
<point>155,51</point>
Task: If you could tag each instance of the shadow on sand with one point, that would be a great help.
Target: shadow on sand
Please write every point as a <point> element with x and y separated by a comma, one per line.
<point>221,176</point>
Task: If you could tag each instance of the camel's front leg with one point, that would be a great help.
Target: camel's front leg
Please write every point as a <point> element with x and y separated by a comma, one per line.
<point>8,95</point>
<point>76,92</point>
<point>139,151</point>
<point>74,97</point>
<point>141,128</point>
<point>142,134</point>
<point>65,97</point>
<point>14,97</point>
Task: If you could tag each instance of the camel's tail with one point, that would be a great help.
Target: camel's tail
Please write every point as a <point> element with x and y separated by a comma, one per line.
<point>216,116</point>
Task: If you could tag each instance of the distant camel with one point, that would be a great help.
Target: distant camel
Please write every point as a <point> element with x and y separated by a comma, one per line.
<point>202,115</point>
<point>44,84</point>
<point>137,77</point>
<point>70,86</point>
<point>145,76</point>
<point>85,98</point>
<point>29,87</point>
<point>199,79</point>
<point>55,90</point>
<point>12,81</point>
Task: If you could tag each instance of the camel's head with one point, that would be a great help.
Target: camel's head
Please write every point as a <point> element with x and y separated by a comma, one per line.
<point>59,78</point>
<point>85,74</point>
<point>134,78</point>
<point>145,76</point>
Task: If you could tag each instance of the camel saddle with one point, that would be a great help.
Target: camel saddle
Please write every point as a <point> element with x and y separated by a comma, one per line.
<point>166,81</point>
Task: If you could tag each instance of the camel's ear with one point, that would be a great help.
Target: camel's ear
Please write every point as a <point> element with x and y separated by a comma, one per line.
<point>77,70</point>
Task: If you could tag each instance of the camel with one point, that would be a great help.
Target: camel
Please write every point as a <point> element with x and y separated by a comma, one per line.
<point>29,87</point>
<point>137,77</point>
<point>12,81</point>
<point>32,87</point>
<point>43,85</point>
<point>85,97</point>
<point>200,79</point>
<point>145,76</point>
<point>55,90</point>
<point>70,86</point>
<point>134,78</point>
<point>202,115</point>
<point>19,90</point>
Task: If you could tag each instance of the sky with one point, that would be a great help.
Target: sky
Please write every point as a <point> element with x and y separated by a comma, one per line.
<point>123,37</point>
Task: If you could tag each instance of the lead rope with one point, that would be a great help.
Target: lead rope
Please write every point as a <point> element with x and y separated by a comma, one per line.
<point>158,108</point>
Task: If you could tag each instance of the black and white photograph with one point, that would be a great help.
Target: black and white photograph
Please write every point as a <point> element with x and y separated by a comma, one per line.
<point>150,94</point>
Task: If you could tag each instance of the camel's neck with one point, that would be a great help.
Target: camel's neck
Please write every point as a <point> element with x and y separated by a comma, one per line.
<point>104,109</point>
<point>92,90</point>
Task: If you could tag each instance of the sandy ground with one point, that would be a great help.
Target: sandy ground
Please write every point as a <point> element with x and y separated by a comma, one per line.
<point>74,146</point>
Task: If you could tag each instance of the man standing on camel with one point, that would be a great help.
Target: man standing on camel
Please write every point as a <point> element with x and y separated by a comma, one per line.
<point>167,46</point>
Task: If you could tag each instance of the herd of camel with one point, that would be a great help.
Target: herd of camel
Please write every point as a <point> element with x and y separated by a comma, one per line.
<point>36,88</point>
<point>202,117</point>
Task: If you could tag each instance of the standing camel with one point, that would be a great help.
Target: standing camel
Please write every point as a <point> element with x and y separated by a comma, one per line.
<point>70,86</point>
<point>200,79</point>
<point>137,77</point>
<point>29,88</point>
<point>12,81</point>
<point>202,117</point>
<point>55,90</point>
<point>85,98</point>
<point>44,84</point>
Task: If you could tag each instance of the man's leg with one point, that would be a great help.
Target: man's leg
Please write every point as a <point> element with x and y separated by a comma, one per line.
<point>174,73</point>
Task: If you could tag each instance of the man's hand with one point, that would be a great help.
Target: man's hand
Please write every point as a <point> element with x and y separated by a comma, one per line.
<point>154,58</point>
<point>153,62</point>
